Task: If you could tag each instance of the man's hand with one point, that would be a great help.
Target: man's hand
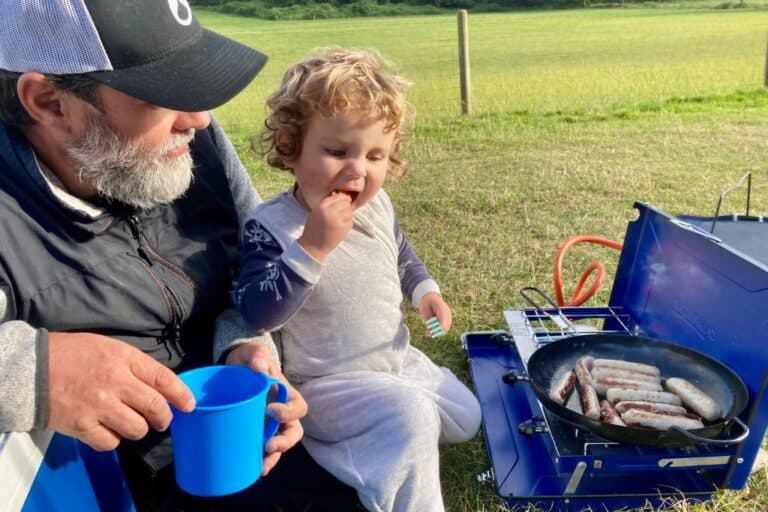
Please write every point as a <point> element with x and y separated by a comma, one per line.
<point>327,225</point>
<point>102,390</point>
<point>257,357</point>
<point>432,304</point>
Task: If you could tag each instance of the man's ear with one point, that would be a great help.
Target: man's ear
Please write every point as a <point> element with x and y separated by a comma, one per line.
<point>47,105</point>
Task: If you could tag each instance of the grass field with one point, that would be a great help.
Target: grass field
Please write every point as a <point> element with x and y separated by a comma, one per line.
<point>537,61</point>
<point>579,114</point>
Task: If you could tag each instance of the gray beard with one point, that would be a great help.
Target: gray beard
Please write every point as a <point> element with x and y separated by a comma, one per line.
<point>125,171</point>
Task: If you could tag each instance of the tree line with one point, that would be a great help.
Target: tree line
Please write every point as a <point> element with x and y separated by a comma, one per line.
<point>318,9</point>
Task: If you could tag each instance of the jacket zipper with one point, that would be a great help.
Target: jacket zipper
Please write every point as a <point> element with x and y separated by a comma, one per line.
<point>149,257</point>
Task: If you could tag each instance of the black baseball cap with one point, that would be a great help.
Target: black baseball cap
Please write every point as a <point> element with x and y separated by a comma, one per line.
<point>154,50</point>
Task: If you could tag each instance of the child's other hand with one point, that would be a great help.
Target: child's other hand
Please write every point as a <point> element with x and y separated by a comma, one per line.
<point>328,224</point>
<point>432,304</point>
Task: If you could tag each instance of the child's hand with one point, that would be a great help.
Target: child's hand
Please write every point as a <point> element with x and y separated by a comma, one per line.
<point>327,225</point>
<point>432,304</point>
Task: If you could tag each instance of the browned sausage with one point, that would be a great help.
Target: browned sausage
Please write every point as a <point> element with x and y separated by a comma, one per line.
<point>659,421</point>
<point>622,395</point>
<point>650,407</point>
<point>626,365</point>
<point>589,402</point>
<point>582,367</point>
<point>604,383</point>
<point>562,388</point>
<point>609,415</point>
<point>616,373</point>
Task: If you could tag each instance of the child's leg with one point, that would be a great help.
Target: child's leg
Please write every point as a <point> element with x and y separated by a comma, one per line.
<point>379,434</point>
<point>457,406</point>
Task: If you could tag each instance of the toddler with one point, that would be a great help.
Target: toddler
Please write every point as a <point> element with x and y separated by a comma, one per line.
<point>326,266</point>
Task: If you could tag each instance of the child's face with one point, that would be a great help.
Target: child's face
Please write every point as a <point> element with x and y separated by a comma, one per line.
<point>347,153</point>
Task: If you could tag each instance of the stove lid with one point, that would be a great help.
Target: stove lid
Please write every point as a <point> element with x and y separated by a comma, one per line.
<point>747,234</point>
<point>682,284</point>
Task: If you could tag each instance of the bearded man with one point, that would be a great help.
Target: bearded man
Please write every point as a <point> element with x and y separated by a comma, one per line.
<point>121,203</point>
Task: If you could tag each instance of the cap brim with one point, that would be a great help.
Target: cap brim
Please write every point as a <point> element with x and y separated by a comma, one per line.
<point>199,77</point>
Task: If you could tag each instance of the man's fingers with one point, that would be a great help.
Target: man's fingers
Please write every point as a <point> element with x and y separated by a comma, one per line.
<point>100,438</point>
<point>152,405</point>
<point>294,409</point>
<point>164,381</point>
<point>125,422</point>
<point>270,461</point>
<point>102,390</point>
<point>290,434</point>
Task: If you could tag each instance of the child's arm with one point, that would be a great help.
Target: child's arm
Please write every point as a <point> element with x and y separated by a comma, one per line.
<point>415,280</point>
<point>273,283</point>
<point>417,284</point>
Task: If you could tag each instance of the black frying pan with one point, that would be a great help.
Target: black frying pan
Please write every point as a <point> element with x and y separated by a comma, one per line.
<point>549,362</point>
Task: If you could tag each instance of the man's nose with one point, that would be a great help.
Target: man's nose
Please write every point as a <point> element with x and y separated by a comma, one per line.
<point>196,120</point>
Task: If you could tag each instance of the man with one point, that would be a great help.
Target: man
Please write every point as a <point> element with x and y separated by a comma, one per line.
<point>120,209</point>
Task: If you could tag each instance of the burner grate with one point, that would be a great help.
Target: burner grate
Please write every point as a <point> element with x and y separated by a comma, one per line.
<point>534,327</point>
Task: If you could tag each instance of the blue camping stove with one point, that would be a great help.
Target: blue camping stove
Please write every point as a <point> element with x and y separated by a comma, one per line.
<point>680,280</point>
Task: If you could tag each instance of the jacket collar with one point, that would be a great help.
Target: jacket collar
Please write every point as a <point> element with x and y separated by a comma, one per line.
<point>17,158</point>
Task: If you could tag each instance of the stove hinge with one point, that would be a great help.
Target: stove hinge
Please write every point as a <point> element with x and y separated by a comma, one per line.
<point>535,425</point>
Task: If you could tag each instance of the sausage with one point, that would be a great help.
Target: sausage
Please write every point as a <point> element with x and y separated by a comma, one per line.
<point>582,367</point>
<point>621,395</point>
<point>626,365</point>
<point>590,405</point>
<point>562,388</point>
<point>589,402</point>
<point>694,398</point>
<point>604,383</point>
<point>636,417</point>
<point>650,407</point>
<point>609,415</point>
<point>606,371</point>
<point>574,402</point>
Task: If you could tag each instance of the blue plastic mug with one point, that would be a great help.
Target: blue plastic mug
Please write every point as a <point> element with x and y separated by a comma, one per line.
<point>218,448</point>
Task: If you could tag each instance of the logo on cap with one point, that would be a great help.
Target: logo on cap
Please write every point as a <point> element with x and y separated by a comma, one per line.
<point>187,13</point>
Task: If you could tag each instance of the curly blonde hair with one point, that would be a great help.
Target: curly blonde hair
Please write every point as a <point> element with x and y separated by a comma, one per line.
<point>333,81</point>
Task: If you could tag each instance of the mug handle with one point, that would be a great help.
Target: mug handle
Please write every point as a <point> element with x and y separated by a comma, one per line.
<point>270,429</point>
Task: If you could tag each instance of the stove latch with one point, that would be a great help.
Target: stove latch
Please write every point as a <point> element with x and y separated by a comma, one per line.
<point>575,480</point>
<point>486,476</point>
<point>535,425</point>
<point>513,376</point>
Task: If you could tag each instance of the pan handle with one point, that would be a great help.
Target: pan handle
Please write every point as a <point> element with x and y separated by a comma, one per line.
<point>721,442</point>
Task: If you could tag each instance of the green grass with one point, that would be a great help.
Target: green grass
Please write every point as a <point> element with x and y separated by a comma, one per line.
<point>579,115</point>
<point>533,60</point>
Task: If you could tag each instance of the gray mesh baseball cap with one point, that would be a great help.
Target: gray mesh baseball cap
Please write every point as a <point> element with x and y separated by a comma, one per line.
<point>154,50</point>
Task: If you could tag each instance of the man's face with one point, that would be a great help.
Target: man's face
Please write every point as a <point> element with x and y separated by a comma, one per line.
<point>134,152</point>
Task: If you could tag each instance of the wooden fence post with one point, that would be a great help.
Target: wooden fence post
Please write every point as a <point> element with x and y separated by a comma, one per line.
<point>765,71</point>
<point>464,77</point>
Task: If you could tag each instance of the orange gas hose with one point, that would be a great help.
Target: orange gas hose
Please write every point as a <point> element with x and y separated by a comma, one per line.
<point>579,296</point>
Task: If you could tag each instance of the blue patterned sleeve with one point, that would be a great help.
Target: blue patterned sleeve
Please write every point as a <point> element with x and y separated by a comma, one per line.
<point>415,280</point>
<point>268,292</point>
